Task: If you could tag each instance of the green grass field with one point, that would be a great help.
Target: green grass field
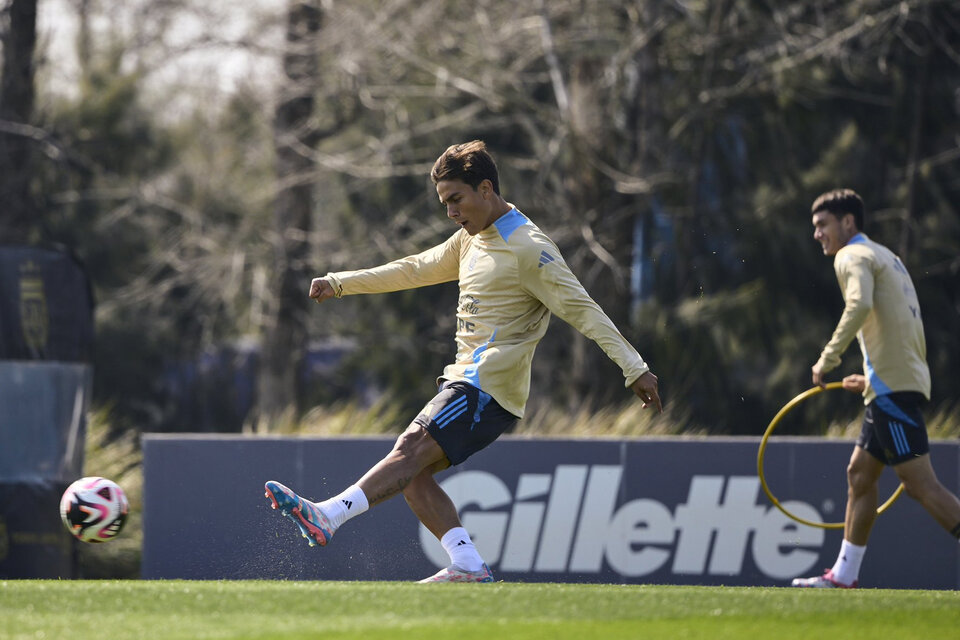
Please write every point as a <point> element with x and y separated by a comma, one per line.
<point>157,610</point>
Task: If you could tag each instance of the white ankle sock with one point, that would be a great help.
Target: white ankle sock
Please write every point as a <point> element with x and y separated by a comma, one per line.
<point>847,567</point>
<point>463,554</point>
<point>340,508</point>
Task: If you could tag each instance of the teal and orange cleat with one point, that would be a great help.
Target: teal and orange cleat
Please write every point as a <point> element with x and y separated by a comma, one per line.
<point>453,574</point>
<point>314,526</point>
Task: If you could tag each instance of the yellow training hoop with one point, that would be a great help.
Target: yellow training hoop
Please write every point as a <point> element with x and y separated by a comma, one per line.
<point>763,446</point>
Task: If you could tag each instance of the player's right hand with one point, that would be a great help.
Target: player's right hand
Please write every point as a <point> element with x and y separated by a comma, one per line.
<point>817,376</point>
<point>646,388</point>
<point>321,289</point>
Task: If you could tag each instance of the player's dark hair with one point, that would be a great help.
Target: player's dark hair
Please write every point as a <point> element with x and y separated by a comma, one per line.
<point>840,202</point>
<point>468,162</point>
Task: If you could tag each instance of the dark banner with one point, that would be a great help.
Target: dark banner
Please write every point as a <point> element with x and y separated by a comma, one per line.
<point>667,511</point>
<point>42,426</point>
<point>46,309</point>
<point>43,420</point>
<point>33,540</point>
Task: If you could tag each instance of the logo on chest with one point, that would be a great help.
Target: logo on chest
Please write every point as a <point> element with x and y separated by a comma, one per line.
<point>469,304</point>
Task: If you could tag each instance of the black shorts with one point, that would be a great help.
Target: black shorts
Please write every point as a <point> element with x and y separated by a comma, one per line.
<point>464,420</point>
<point>893,429</point>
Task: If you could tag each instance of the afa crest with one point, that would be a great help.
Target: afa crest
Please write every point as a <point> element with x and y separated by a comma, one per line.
<point>34,317</point>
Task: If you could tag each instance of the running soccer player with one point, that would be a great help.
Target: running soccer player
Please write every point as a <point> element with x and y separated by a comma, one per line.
<point>511,278</point>
<point>882,311</point>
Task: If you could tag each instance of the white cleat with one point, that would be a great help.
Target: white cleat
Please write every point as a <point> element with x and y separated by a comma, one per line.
<point>453,574</point>
<point>826,581</point>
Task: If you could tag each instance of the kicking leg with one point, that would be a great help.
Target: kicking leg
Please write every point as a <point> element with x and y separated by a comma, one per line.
<point>413,451</point>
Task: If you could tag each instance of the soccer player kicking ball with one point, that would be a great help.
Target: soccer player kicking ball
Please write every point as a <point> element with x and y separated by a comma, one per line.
<point>882,311</point>
<point>511,279</point>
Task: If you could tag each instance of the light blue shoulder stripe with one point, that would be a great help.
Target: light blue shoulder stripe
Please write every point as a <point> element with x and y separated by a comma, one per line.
<point>510,222</point>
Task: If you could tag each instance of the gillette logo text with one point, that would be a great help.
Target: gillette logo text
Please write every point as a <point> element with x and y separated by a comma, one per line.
<point>569,521</point>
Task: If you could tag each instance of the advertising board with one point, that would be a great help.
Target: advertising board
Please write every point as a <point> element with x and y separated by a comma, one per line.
<point>646,510</point>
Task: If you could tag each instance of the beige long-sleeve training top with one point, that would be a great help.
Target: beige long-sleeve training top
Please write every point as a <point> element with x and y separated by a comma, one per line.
<point>882,311</point>
<point>511,278</point>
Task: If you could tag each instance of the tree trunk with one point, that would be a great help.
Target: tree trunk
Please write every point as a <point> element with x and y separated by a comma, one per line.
<point>914,150</point>
<point>285,332</point>
<point>17,220</point>
<point>605,232</point>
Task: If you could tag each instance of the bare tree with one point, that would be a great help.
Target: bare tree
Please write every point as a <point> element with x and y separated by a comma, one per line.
<point>707,124</point>
<point>18,219</point>
<point>285,332</point>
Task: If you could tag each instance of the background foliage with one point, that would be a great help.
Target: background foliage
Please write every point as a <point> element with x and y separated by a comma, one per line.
<point>671,149</point>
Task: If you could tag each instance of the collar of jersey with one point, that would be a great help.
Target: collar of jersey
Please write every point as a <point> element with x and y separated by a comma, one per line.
<point>505,225</point>
<point>859,238</point>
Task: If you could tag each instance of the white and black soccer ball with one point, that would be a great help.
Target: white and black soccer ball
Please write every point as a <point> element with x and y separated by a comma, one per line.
<point>94,509</point>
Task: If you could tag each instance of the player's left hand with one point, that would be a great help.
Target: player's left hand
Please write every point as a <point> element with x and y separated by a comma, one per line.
<point>854,383</point>
<point>646,389</point>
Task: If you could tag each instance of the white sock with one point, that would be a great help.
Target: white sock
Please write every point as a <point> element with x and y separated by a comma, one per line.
<point>463,554</point>
<point>340,508</point>
<point>847,568</point>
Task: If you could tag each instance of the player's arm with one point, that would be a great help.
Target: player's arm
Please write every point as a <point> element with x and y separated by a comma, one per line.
<point>856,277</point>
<point>433,266</point>
<point>555,285</point>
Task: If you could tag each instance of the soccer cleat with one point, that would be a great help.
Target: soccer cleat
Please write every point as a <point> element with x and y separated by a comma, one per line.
<point>826,581</point>
<point>453,574</point>
<point>314,526</point>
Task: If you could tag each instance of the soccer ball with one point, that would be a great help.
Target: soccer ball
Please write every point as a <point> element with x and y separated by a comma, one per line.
<point>94,509</point>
